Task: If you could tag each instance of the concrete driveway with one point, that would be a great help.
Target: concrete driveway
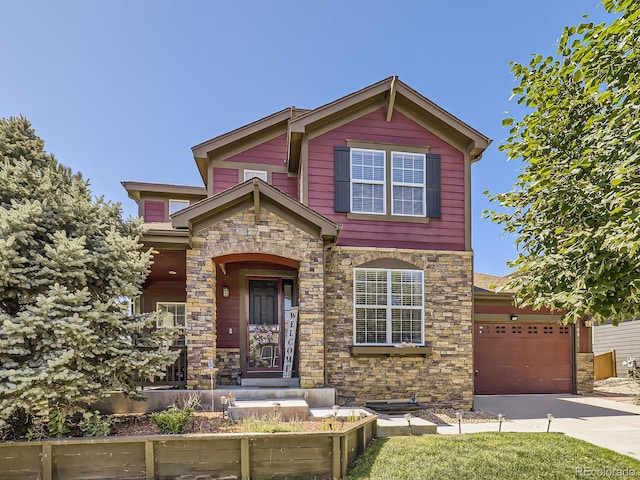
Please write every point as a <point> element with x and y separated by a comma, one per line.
<point>603,422</point>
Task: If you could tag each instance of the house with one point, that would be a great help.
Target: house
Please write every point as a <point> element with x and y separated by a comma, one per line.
<point>518,350</point>
<point>623,338</point>
<point>326,247</point>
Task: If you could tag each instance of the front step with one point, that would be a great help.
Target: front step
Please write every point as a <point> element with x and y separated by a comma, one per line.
<point>271,382</point>
<point>288,409</point>
<point>396,426</point>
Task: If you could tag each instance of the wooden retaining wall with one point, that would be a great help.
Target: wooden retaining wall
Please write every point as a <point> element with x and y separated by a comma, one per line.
<point>321,455</point>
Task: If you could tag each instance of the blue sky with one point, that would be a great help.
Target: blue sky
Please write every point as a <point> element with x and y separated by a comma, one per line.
<point>122,89</point>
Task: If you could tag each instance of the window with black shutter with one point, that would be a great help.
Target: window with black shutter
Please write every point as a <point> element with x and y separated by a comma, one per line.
<point>383,180</point>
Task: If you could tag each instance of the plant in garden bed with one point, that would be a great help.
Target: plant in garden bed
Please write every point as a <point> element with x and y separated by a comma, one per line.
<point>174,420</point>
<point>95,425</point>
<point>269,424</point>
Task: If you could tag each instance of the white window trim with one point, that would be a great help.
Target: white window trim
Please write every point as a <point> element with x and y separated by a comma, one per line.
<point>176,200</point>
<point>382,182</point>
<point>389,307</point>
<point>423,185</point>
<point>169,304</point>
<point>249,173</point>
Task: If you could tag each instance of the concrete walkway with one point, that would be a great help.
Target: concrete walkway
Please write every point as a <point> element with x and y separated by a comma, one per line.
<point>606,423</point>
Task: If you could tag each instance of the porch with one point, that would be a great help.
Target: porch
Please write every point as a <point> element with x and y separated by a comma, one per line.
<point>158,399</point>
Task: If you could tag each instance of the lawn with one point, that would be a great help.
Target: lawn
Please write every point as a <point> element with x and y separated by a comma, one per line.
<point>491,456</point>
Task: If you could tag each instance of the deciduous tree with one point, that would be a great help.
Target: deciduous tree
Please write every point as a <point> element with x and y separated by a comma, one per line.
<point>574,210</point>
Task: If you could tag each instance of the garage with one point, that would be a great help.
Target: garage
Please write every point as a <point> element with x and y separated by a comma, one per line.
<point>521,357</point>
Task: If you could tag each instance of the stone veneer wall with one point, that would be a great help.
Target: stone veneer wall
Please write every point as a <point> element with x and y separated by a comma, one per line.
<point>200,329</point>
<point>584,373</point>
<point>228,365</point>
<point>239,233</point>
<point>445,377</point>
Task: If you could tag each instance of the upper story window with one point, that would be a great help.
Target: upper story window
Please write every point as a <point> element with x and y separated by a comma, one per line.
<point>401,185</point>
<point>388,306</point>
<point>408,183</point>
<point>368,181</point>
<point>261,174</point>
<point>177,205</point>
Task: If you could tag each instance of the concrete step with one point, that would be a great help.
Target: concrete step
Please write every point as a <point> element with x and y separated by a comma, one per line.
<point>397,426</point>
<point>287,409</point>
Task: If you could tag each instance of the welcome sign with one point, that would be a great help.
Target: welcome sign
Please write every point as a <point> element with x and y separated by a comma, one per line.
<point>290,342</point>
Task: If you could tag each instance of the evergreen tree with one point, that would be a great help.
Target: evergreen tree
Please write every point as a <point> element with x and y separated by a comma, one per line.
<point>68,265</point>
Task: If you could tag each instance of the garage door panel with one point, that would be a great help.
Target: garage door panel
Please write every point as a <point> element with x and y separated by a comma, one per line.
<point>522,358</point>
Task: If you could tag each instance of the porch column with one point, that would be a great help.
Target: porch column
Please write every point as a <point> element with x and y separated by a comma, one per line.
<point>201,312</point>
<point>311,319</point>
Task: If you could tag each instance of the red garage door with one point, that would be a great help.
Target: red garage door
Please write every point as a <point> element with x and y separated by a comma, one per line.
<point>522,358</point>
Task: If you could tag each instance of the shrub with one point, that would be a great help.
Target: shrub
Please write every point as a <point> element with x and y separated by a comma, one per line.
<point>173,420</point>
<point>58,426</point>
<point>94,425</point>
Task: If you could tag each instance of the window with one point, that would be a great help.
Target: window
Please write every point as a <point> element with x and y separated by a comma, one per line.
<point>172,314</point>
<point>261,174</point>
<point>389,306</point>
<point>401,182</point>
<point>367,181</point>
<point>177,205</point>
<point>408,184</point>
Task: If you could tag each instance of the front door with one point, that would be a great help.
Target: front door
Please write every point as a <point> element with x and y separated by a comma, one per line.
<point>264,326</point>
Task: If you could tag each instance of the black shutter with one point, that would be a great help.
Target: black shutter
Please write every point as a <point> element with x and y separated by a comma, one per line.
<point>342,179</point>
<point>433,185</point>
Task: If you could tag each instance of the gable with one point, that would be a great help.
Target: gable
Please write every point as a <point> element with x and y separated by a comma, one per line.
<point>256,194</point>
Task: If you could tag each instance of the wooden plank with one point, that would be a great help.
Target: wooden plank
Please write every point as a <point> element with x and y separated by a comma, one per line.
<point>256,202</point>
<point>173,471</point>
<point>22,461</point>
<point>99,460</point>
<point>362,439</point>
<point>352,443</point>
<point>290,441</point>
<point>198,456</point>
<point>47,462</point>
<point>344,456</point>
<point>392,98</point>
<point>285,454</point>
<point>335,458</point>
<point>245,459</point>
<point>150,460</point>
<point>318,467</point>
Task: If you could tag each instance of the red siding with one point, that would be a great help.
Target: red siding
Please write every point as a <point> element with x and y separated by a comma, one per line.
<point>228,309</point>
<point>224,178</point>
<point>287,184</point>
<point>444,233</point>
<point>163,292</point>
<point>154,211</point>
<point>272,153</point>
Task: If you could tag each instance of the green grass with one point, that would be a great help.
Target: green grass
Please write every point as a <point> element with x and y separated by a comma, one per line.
<point>490,456</point>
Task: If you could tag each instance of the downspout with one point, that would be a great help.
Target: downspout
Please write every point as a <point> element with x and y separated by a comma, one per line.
<point>333,243</point>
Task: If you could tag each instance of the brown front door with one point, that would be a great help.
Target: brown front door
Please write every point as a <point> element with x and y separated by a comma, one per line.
<point>264,326</point>
<point>522,358</point>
